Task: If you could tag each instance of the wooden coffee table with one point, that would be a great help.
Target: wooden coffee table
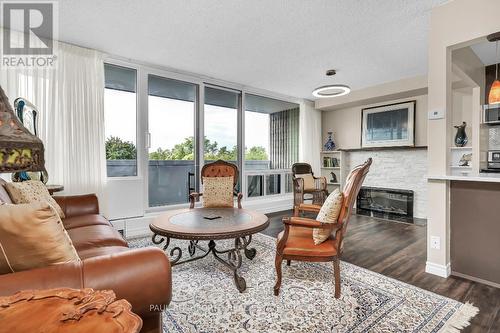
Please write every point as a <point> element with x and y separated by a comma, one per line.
<point>66,310</point>
<point>210,224</point>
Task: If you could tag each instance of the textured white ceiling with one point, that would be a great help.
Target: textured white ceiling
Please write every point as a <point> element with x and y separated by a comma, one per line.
<point>279,45</point>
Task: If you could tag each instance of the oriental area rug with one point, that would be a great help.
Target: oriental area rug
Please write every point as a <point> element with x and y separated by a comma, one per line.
<point>205,298</point>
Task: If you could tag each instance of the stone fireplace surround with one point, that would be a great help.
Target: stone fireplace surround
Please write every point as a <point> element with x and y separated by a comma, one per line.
<point>397,168</point>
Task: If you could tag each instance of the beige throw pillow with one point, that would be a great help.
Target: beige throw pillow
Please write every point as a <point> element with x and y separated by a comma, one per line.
<point>32,191</point>
<point>309,182</point>
<point>32,236</point>
<point>218,192</point>
<point>328,213</point>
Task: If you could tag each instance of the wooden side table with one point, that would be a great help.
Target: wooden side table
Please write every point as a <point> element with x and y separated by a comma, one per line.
<point>67,310</point>
<point>54,188</point>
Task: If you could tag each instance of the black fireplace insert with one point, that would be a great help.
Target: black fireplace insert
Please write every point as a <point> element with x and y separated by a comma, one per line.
<point>386,203</point>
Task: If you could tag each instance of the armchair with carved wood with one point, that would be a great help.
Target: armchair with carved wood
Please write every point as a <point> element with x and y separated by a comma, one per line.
<point>218,168</point>
<point>306,184</point>
<point>296,241</point>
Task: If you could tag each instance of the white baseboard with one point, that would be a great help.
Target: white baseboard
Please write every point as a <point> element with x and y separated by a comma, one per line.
<point>440,270</point>
<point>139,226</point>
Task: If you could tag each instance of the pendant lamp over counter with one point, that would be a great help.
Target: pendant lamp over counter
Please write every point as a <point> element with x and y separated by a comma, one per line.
<point>494,95</point>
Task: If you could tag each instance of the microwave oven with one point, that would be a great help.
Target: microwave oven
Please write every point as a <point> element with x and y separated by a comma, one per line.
<point>491,114</point>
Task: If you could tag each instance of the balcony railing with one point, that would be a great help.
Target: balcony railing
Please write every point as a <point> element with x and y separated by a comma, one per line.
<point>266,182</point>
<point>170,182</point>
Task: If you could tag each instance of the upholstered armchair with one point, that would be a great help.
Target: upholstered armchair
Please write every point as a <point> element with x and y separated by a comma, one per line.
<point>306,184</point>
<point>296,241</point>
<point>218,168</point>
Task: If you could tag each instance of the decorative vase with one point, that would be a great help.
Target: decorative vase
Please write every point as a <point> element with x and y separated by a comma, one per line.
<point>461,137</point>
<point>330,144</point>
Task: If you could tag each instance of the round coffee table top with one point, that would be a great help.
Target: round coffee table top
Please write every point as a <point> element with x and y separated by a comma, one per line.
<point>209,223</point>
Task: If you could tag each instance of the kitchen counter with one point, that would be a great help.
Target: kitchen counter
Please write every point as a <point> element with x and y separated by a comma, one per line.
<point>482,177</point>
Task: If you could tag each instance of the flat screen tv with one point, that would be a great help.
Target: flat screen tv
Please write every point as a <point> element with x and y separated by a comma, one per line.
<point>388,125</point>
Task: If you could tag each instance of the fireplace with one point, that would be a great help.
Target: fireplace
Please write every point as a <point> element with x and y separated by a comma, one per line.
<point>386,203</point>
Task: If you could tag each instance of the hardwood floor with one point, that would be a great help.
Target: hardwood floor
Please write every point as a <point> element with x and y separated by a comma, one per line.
<point>398,250</point>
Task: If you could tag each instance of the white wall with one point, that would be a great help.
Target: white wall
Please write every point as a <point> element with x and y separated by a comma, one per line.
<point>346,123</point>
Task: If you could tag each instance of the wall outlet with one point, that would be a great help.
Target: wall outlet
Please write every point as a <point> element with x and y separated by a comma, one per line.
<point>435,242</point>
<point>436,114</point>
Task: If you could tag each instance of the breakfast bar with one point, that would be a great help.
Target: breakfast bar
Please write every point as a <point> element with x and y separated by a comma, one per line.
<point>474,226</point>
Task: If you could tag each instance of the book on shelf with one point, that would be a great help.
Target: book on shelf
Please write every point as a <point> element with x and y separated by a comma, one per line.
<point>330,162</point>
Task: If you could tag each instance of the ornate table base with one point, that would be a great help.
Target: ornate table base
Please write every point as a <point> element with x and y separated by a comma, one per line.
<point>234,257</point>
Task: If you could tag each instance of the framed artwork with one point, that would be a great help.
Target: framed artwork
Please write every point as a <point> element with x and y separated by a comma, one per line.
<point>390,125</point>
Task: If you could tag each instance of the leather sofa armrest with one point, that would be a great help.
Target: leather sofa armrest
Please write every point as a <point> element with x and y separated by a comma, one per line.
<point>77,205</point>
<point>141,276</point>
<point>67,275</point>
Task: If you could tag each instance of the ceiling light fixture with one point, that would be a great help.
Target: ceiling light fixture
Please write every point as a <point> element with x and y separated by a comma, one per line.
<point>331,90</point>
<point>494,95</point>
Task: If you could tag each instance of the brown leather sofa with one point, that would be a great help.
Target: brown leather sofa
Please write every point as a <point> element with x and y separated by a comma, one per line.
<point>141,276</point>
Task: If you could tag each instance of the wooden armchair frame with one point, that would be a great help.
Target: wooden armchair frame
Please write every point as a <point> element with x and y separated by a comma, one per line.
<point>320,192</point>
<point>218,168</point>
<point>351,190</point>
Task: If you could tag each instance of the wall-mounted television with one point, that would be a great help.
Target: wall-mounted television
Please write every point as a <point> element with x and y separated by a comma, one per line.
<point>390,125</point>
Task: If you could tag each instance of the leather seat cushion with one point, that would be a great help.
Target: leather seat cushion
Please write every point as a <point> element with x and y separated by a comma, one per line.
<point>95,236</point>
<point>300,243</point>
<point>100,251</point>
<point>84,220</point>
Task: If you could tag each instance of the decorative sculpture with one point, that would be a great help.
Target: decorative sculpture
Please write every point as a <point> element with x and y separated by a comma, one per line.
<point>334,178</point>
<point>466,158</point>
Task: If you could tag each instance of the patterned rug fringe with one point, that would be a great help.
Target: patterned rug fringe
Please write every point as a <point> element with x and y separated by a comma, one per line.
<point>461,319</point>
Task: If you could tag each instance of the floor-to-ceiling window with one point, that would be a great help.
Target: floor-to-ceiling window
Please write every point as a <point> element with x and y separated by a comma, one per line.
<point>271,144</point>
<point>176,125</point>
<point>120,114</point>
<point>171,106</point>
<point>221,124</point>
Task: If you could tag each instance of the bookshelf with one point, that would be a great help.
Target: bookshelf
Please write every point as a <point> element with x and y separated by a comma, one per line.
<point>333,162</point>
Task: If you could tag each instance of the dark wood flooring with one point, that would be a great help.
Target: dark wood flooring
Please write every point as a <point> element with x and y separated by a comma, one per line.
<point>398,250</point>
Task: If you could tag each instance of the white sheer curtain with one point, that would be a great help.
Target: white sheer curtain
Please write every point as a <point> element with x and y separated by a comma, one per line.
<point>310,136</point>
<point>70,101</point>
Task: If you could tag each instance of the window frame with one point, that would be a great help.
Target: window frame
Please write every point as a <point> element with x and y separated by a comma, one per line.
<point>197,143</point>
<point>139,142</point>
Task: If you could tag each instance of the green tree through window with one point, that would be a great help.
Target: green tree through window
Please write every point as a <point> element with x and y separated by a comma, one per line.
<point>117,149</point>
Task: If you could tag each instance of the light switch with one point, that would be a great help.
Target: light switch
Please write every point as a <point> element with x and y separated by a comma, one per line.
<point>436,114</point>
